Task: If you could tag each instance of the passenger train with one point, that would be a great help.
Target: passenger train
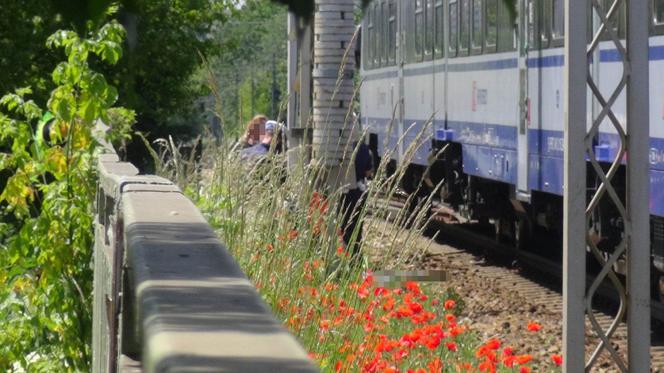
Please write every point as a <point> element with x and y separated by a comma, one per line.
<point>490,97</point>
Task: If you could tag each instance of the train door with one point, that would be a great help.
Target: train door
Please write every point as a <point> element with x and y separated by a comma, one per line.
<point>526,13</point>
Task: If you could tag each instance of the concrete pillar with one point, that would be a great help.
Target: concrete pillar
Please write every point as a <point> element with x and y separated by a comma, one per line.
<point>334,69</point>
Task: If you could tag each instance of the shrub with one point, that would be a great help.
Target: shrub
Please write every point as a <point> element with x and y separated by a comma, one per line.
<point>45,251</point>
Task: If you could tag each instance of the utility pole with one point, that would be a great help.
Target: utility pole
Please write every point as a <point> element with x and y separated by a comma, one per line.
<point>334,68</point>
<point>580,151</point>
<point>253,92</point>
<point>274,88</point>
<point>239,98</point>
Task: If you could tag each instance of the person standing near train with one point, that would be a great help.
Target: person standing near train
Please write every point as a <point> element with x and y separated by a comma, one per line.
<point>353,201</point>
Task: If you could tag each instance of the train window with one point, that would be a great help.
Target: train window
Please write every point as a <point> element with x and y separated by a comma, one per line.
<point>544,17</point>
<point>419,29</point>
<point>558,19</point>
<point>615,22</point>
<point>531,20</point>
<point>385,32</point>
<point>439,35</point>
<point>428,30</point>
<point>375,37</point>
<point>477,24</point>
<point>378,26</point>
<point>658,12</point>
<point>506,27</point>
<point>380,33</point>
<point>370,43</point>
<point>453,26</point>
<point>658,16</point>
<point>392,32</point>
<point>464,23</point>
<point>491,31</point>
<point>409,27</point>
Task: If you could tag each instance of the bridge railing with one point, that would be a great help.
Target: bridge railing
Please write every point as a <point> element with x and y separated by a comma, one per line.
<point>168,296</point>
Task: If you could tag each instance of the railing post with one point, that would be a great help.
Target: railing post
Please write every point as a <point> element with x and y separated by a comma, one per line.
<point>574,232</point>
<point>638,187</point>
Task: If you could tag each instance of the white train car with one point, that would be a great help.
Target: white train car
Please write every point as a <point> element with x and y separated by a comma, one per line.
<point>486,85</point>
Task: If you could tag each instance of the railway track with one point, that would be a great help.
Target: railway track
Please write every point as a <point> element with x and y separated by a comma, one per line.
<point>527,274</point>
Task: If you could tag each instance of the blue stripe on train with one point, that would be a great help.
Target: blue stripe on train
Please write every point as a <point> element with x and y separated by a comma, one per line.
<point>656,53</point>
<point>489,151</point>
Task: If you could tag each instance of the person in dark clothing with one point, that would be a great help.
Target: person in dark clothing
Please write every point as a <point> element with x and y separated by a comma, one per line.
<point>353,201</point>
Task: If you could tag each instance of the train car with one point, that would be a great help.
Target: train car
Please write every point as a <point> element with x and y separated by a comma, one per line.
<point>474,91</point>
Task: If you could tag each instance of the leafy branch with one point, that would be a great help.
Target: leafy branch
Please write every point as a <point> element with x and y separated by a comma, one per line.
<point>49,156</point>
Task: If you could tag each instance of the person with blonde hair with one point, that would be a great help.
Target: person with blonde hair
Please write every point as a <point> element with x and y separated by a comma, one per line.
<point>259,150</point>
<point>254,131</point>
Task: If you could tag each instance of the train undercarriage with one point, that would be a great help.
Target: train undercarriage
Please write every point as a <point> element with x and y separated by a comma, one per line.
<point>522,224</point>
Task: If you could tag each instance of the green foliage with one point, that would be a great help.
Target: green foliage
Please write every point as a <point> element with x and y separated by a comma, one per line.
<point>24,59</point>
<point>45,256</point>
<point>155,78</point>
<point>250,42</point>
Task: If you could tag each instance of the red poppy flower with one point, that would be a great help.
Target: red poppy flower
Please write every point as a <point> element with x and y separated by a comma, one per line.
<point>449,304</point>
<point>507,351</point>
<point>415,307</point>
<point>525,370</point>
<point>362,292</point>
<point>432,343</point>
<point>487,366</point>
<point>413,287</point>
<point>435,366</point>
<point>467,367</point>
<point>509,361</point>
<point>389,304</point>
<point>400,354</point>
<point>452,346</point>
<point>457,330</point>
<point>380,291</point>
<point>557,359</point>
<point>524,359</point>
<point>534,327</point>
<point>404,311</point>
<point>493,344</point>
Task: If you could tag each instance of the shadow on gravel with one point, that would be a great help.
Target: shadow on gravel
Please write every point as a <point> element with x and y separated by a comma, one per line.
<point>541,263</point>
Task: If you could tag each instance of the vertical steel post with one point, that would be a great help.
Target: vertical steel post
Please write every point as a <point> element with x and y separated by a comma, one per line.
<point>638,187</point>
<point>273,109</point>
<point>253,93</point>
<point>292,70</point>
<point>574,231</point>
